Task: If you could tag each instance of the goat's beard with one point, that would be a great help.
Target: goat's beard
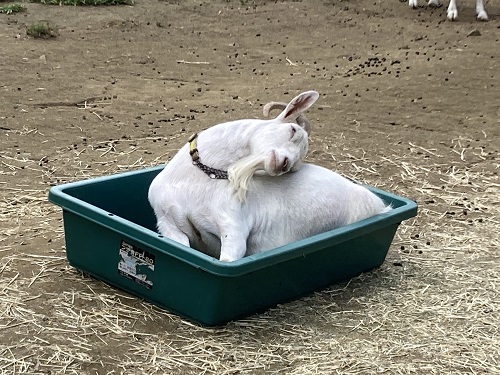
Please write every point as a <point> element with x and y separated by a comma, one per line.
<point>240,173</point>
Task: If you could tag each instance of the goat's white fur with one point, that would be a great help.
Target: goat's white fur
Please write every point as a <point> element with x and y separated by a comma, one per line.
<point>269,209</point>
<point>452,12</point>
<point>243,148</point>
<point>301,119</point>
<point>278,210</point>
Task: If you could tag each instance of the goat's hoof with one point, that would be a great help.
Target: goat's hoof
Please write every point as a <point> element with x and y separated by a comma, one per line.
<point>434,3</point>
<point>482,16</point>
<point>452,15</point>
<point>413,4</point>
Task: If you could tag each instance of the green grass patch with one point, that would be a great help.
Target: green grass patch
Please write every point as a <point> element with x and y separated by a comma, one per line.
<point>12,8</point>
<point>84,2</point>
<point>43,30</point>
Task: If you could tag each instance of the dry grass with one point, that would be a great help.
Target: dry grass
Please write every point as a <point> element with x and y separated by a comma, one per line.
<point>431,308</point>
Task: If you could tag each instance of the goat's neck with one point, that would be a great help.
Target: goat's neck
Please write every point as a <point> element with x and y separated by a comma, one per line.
<point>224,144</point>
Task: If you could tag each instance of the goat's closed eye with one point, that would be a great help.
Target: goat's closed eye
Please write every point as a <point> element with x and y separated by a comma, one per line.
<point>293,131</point>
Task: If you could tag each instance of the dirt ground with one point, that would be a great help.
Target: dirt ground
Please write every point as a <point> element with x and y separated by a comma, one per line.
<point>409,103</point>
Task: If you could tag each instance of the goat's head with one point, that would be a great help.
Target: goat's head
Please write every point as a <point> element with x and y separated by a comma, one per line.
<point>279,145</point>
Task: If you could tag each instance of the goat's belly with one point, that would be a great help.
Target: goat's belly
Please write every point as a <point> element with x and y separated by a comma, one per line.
<point>201,235</point>
<point>207,243</point>
<point>280,232</point>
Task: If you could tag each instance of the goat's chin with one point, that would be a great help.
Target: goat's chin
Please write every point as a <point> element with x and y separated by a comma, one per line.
<point>279,170</point>
<point>272,172</point>
<point>261,172</point>
<point>296,166</point>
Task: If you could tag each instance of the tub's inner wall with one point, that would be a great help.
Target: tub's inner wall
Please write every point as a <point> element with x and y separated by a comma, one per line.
<point>126,197</point>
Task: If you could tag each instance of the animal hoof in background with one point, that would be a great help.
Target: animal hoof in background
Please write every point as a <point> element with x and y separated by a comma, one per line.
<point>452,15</point>
<point>434,3</point>
<point>413,4</point>
<point>482,16</point>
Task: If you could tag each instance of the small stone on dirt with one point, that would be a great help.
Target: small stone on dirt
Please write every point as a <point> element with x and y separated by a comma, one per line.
<point>474,32</point>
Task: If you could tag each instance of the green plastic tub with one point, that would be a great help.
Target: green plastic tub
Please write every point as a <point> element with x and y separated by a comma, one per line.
<point>110,234</point>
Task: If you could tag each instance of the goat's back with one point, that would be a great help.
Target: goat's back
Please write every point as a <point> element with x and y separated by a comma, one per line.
<point>309,201</point>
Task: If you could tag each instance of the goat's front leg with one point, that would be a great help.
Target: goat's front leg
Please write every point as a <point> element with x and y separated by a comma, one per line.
<point>233,244</point>
<point>434,3</point>
<point>171,231</point>
<point>452,11</point>
<point>481,13</point>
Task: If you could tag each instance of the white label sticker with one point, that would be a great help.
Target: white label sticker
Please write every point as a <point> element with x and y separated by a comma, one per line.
<point>134,261</point>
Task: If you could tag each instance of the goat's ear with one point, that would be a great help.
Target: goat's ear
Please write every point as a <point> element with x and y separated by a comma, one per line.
<point>298,105</point>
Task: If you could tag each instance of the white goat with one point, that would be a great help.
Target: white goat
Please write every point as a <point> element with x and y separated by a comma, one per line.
<point>452,11</point>
<point>188,204</point>
<point>252,212</point>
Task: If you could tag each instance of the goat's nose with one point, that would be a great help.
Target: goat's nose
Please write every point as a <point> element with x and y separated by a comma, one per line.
<point>284,167</point>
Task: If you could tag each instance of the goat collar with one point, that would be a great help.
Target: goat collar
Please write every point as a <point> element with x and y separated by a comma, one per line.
<point>211,172</point>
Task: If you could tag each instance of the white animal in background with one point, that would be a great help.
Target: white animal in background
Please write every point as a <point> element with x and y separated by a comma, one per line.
<point>452,11</point>
<point>259,206</point>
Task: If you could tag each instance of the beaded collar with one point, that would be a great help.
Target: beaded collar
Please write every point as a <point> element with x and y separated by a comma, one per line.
<point>211,172</point>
